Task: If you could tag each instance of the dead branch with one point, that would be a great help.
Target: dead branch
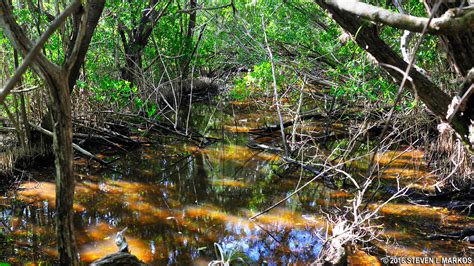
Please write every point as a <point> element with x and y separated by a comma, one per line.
<point>405,39</point>
<point>75,146</point>
<point>456,235</point>
<point>123,138</point>
<point>275,90</point>
<point>454,20</point>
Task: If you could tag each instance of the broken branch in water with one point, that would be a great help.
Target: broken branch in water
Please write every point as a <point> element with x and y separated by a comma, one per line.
<point>466,234</point>
<point>124,139</point>
<point>75,146</point>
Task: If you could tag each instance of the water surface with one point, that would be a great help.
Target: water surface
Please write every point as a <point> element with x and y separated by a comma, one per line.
<point>178,199</point>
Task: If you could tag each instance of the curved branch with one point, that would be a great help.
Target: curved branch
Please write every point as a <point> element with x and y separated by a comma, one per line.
<point>79,33</point>
<point>454,20</point>
<point>5,23</point>
<point>405,40</point>
<point>93,10</point>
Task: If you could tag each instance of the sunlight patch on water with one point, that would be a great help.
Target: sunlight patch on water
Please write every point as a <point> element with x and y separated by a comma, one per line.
<point>210,212</point>
<point>38,192</point>
<point>340,194</point>
<point>234,153</point>
<point>397,234</point>
<point>238,129</point>
<point>360,257</point>
<point>98,249</point>
<point>406,173</point>
<point>228,183</point>
<point>408,210</point>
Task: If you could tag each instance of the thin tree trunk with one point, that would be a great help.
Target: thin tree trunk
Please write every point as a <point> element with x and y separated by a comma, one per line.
<point>188,41</point>
<point>62,145</point>
<point>60,81</point>
<point>24,116</point>
<point>133,62</point>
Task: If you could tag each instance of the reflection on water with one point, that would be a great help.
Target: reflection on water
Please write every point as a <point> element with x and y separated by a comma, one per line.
<point>407,163</point>
<point>177,200</point>
<point>176,215</point>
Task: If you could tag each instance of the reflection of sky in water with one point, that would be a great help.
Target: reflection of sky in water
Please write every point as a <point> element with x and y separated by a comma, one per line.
<point>304,245</point>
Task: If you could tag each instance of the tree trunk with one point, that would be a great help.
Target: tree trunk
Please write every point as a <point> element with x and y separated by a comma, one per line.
<point>188,41</point>
<point>133,62</point>
<point>62,145</point>
<point>135,40</point>
<point>94,11</point>
<point>60,81</point>
<point>366,36</point>
<point>458,45</point>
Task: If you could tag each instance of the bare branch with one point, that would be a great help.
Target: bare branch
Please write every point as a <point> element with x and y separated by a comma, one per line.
<point>367,38</point>
<point>275,90</point>
<point>405,40</point>
<point>74,145</point>
<point>454,20</point>
<point>33,53</point>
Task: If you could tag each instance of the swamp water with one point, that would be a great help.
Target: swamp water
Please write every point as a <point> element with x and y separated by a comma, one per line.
<point>177,200</point>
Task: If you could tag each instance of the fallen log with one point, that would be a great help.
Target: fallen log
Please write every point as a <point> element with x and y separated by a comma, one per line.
<point>97,139</point>
<point>119,137</point>
<point>459,200</point>
<point>75,146</point>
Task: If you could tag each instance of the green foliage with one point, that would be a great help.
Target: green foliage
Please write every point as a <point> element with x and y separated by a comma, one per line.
<point>254,83</point>
<point>113,91</point>
<point>259,81</point>
<point>122,94</point>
